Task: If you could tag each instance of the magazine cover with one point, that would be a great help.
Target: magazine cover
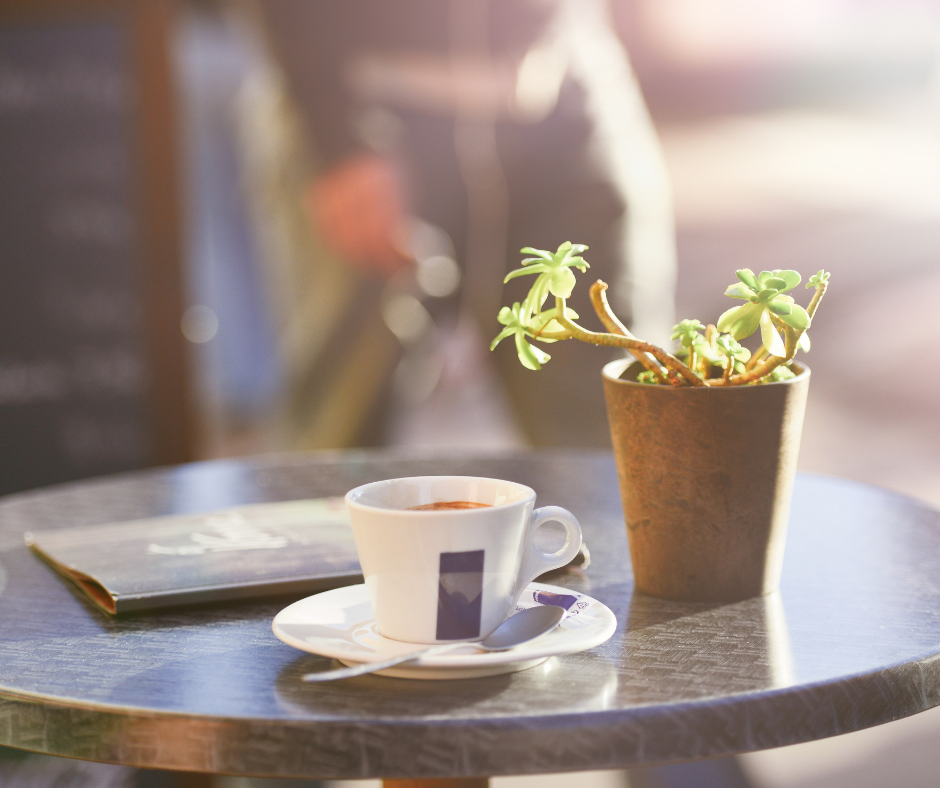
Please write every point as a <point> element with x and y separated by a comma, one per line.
<point>248,551</point>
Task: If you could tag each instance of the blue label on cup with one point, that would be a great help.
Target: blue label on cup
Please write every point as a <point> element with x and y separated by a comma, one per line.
<point>460,595</point>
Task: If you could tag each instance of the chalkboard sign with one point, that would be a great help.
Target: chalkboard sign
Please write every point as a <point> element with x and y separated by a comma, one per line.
<point>92,364</point>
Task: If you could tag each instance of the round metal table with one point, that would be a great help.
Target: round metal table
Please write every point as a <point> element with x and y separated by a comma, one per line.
<point>852,640</point>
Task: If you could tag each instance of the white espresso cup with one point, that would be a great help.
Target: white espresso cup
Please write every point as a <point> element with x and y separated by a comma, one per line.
<point>450,574</point>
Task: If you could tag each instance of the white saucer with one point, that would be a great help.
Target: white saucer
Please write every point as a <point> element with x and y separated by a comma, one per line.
<point>340,624</point>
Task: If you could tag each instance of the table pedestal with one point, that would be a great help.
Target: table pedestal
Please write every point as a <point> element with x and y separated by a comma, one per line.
<point>451,782</point>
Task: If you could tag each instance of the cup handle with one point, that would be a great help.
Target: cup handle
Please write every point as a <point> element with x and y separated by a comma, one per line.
<point>534,561</point>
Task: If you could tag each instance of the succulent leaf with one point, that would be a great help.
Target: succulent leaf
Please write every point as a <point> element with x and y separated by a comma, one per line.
<point>797,318</point>
<point>536,252</point>
<point>506,332</point>
<point>514,320</point>
<point>747,276</point>
<point>530,356</point>
<point>687,332</point>
<point>727,318</point>
<point>781,373</point>
<point>790,278</point>
<point>739,291</point>
<point>537,294</point>
<point>741,321</point>
<point>770,337</point>
<point>562,282</point>
<point>538,268</point>
<point>730,348</point>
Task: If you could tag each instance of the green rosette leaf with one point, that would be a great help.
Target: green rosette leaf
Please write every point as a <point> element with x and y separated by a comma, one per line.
<point>798,318</point>
<point>729,347</point>
<point>790,279</point>
<point>506,332</point>
<point>537,294</point>
<point>530,357</point>
<point>538,268</point>
<point>686,331</point>
<point>747,276</point>
<point>727,318</point>
<point>741,321</point>
<point>541,253</point>
<point>562,282</point>
<point>739,291</point>
<point>769,336</point>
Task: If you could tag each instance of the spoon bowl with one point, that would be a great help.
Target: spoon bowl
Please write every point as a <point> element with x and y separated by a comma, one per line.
<point>520,628</point>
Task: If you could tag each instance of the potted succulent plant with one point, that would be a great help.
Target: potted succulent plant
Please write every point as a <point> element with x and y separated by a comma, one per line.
<point>706,438</point>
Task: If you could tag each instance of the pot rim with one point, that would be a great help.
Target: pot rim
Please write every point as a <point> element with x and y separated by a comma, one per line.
<point>612,370</point>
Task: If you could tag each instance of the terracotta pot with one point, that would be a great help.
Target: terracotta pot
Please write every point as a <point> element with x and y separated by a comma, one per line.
<point>706,476</point>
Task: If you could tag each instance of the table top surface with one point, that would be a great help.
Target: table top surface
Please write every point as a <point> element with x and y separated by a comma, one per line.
<point>850,641</point>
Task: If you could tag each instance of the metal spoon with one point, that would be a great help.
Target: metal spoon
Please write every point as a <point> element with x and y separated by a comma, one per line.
<point>520,628</point>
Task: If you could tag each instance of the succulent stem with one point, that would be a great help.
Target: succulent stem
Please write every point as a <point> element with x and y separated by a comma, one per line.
<point>817,297</point>
<point>618,340</point>
<point>759,355</point>
<point>614,326</point>
<point>761,370</point>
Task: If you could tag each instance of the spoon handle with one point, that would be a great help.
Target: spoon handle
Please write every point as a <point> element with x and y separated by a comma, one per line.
<point>371,667</point>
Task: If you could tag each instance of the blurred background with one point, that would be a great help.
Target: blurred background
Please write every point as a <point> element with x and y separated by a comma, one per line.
<point>235,227</point>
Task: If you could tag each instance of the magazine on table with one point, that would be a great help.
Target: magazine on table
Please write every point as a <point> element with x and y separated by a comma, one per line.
<point>248,551</point>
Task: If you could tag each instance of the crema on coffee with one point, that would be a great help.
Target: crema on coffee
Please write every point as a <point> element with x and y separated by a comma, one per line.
<point>439,505</point>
